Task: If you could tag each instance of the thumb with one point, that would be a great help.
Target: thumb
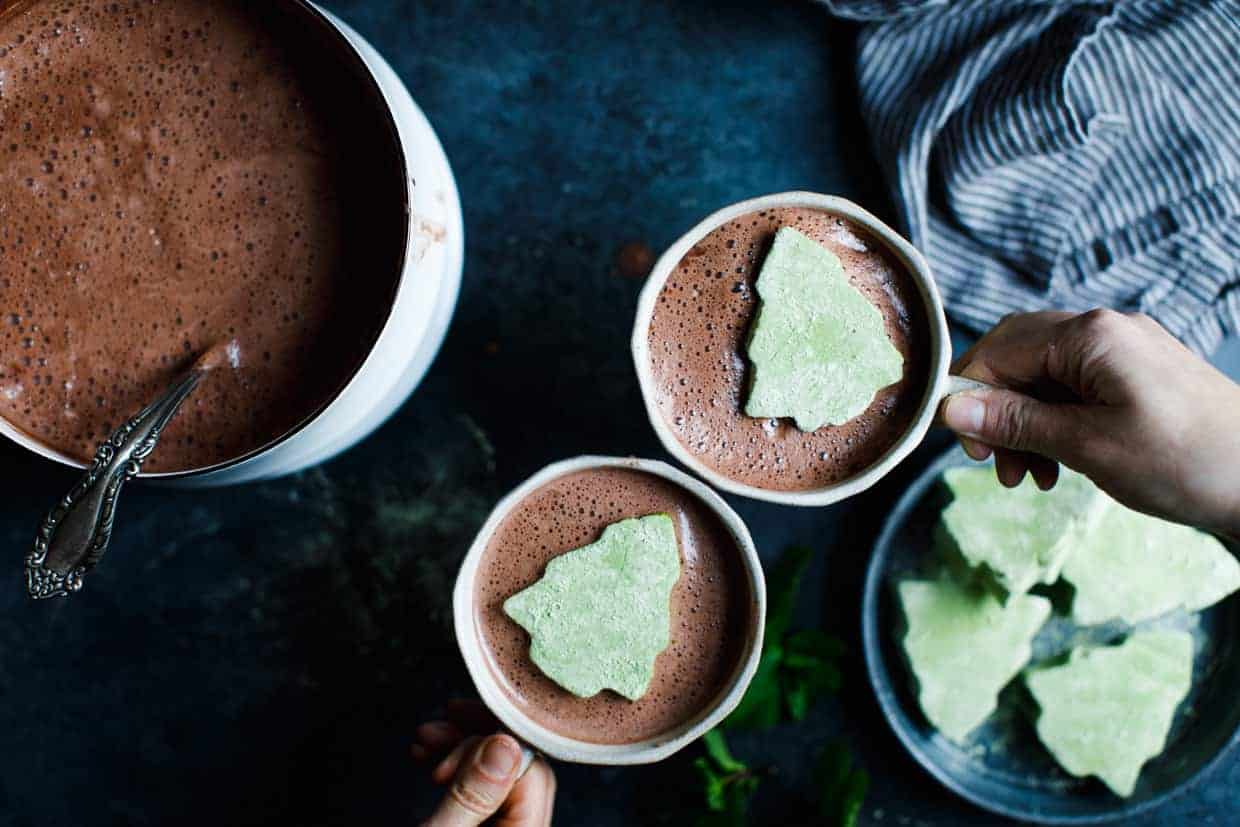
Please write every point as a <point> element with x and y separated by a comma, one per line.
<point>481,785</point>
<point>1007,419</point>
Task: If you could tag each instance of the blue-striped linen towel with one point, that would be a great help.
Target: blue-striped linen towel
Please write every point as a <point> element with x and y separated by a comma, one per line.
<point>1063,153</point>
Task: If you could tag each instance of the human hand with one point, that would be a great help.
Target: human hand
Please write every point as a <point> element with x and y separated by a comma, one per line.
<point>484,772</point>
<point>1113,396</point>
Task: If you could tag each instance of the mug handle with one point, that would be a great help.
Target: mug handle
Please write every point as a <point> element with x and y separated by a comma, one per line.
<point>959,384</point>
<point>528,755</point>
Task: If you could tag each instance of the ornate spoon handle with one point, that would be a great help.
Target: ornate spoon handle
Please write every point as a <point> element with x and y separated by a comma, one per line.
<point>76,532</point>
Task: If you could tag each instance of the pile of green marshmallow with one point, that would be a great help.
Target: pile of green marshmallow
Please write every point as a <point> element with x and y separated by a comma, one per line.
<point>1103,710</point>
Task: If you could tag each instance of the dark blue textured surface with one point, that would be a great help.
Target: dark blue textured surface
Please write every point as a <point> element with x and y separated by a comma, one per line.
<point>251,655</point>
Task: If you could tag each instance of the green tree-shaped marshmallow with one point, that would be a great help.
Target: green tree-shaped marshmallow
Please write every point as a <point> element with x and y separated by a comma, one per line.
<point>601,614</point>
<point>1108,709</point>
<point>819,348</point>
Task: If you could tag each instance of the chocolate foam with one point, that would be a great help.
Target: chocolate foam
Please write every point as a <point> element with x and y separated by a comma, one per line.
<point>697,338</point>
<point>174,176</point>
<point>711,604</point>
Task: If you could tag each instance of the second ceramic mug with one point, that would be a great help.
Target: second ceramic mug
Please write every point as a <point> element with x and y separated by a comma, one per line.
<point>939,385</point>
<point>575,750</point>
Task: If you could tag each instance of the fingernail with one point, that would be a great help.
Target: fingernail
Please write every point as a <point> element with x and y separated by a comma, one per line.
<point>498,757</point>
<point>976,450</point>
<point>964,414</point>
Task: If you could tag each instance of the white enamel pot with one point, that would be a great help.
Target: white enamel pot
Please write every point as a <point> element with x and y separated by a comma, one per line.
<point>424,298</point>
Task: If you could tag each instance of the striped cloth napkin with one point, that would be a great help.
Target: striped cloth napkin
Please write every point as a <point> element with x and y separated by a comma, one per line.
<point>1063,153</point>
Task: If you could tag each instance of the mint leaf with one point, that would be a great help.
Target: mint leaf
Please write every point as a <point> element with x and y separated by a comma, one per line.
<point>717,749</point>
<point>822,674</point>
<point>843,786</point>
<point>803,688</point>
<point>713,784</point>
<point>783,587</point>
<point>799,696</point>
<point>809,671</point>
<point>760,707</point>
<point>727,784</point>
<point>795,669</point>
<point>811,642</point>
<point>740,792</point>
<point>849,807</point>
<point>806,678</point>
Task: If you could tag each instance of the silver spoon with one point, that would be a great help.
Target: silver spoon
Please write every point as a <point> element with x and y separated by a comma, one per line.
<point>76,532</point>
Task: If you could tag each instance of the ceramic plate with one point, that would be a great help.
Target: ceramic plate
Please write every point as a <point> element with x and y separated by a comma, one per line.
<point>1003,767</point>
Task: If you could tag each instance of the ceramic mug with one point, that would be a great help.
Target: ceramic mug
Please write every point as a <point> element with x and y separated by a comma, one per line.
<point>426,284</point>
<point>570,749</point>
<point>939,386</point>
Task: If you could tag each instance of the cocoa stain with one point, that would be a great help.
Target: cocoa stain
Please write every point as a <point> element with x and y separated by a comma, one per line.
<point>634,260</point>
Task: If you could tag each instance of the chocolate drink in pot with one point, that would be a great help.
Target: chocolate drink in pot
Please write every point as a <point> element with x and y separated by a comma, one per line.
<point>178,174</point>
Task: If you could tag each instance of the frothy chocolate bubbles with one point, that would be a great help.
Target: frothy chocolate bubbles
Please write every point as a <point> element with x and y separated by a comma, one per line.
<point>697,339</point>
<point>712,610</point>
<point>175,174</point>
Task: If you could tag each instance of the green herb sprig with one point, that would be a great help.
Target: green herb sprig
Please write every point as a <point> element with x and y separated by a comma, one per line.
<point>728,784</point>
<point>843,785</point>
<point>796,669</point>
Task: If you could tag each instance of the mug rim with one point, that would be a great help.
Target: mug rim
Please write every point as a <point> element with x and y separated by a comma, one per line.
<point>366,75</point>
<point>574,750</point>
<point>940,345</point>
